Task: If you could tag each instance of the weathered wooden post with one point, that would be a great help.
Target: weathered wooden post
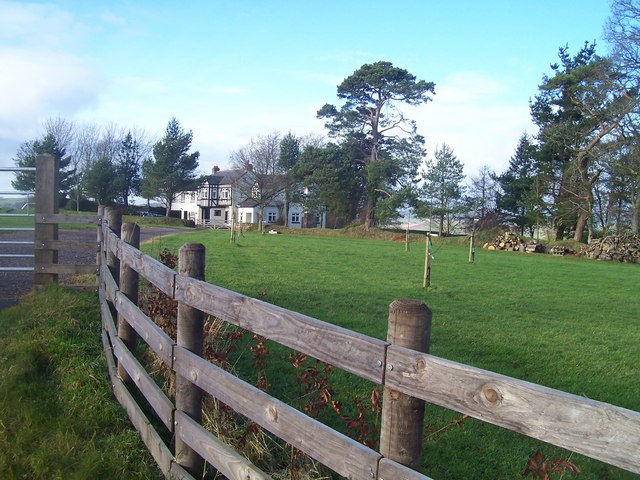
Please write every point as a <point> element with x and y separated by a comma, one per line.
<point>128,286</point>
<point>114,223</point>
<point>100,234</point>
<point>46,204</point>
<point>190,335</point>
<point>403,415</point>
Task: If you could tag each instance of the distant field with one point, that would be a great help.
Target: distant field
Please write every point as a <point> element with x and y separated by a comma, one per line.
<point>562,322</point>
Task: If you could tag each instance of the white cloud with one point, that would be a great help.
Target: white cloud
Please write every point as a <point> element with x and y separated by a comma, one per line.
<point>477,116</point>
<point>41,83</point>
<point>37,24</point>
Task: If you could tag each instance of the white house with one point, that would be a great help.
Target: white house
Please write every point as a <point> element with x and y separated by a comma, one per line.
<point>230,195</point>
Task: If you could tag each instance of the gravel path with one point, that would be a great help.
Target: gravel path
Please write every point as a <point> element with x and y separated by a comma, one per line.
<point>14,285</point>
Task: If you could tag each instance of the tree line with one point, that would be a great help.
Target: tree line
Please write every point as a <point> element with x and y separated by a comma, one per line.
<point>579,174</point>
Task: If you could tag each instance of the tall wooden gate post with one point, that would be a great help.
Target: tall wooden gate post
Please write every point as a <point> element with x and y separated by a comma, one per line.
<point>114,223</point>
<point>403,415</point>
<point>129,287</point>
<point>190,335</point>
<point>46,204</point>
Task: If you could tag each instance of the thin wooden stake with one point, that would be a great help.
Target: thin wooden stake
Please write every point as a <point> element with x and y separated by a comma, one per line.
<point>426,282</point>
<point>472,249</point>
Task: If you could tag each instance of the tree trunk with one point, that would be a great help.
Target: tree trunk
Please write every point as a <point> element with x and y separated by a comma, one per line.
<point>635,216</point>
<point>370,219</point>
<point>580,224</point>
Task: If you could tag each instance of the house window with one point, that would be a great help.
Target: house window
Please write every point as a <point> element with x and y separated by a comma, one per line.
<point>271,217</point>
<point>193,197</point>
<point>224,194</point>
<point>217,213</point>
<point>295,217</point>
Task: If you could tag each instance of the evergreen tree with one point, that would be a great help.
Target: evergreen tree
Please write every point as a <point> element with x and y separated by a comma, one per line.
<point>370,118</point>
<point>26,157</point>
<point>173,169</point>
<point>517,185</point>
<point>127,168</point>
<point>443,189</point>
<point>101,181</point>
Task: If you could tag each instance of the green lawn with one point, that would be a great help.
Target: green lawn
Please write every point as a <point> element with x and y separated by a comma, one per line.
<point>562,322</point>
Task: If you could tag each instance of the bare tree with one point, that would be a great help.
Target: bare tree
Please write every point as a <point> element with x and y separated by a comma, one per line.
<point>261,156</point>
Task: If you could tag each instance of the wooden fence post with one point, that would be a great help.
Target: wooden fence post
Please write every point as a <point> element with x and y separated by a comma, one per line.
<point>46,204</point>
<point>114,222</point>
<point>129,287</point>
<point>190,335</point>
<point>100,234</point>
<point>403,415</point>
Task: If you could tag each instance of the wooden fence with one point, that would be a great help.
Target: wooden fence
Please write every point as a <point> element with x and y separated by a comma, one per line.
<point>595,429</point>
<point>410,376</point>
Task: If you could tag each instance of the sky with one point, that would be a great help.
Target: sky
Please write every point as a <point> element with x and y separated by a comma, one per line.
<point>230,71</point>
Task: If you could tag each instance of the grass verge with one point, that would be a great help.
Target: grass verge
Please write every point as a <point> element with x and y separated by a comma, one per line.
<point>58,417</point>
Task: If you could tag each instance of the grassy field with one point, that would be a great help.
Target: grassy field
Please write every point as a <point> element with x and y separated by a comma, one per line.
<point>58,417</point>
<point>565,323</point>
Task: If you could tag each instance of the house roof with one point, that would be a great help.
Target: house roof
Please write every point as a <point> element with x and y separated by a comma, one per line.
<point>224,177</point>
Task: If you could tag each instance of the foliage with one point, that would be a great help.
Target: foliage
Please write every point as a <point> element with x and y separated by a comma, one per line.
<point>389,150</point>
<point>128,163</point>
<point>26,157</point>
<point>442,189</point>
<point>519,199</point>
<point>173,169</point>
<point>577,109</point>
<point>101,181</point>
<point>332,180</point>
<point>541,469</point>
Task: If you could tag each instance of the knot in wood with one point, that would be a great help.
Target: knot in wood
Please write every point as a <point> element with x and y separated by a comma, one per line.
<point>272,412</point>
<point>490,395</point>
<point>421,364</point>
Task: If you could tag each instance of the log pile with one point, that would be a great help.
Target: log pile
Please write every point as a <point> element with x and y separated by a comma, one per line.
<point>621,248</point>
<point>512,242</point>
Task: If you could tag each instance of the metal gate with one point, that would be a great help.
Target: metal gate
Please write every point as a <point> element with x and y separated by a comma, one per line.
<point>16,240</point>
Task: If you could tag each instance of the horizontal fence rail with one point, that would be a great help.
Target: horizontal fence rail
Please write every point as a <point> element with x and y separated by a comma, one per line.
<point>596,429</point>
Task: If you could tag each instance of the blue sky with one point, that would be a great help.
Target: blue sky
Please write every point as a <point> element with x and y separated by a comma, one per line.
<point>232,70</point>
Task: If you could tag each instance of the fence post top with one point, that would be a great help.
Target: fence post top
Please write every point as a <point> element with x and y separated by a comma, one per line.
<point>408,305</point>
<point>192,247</point>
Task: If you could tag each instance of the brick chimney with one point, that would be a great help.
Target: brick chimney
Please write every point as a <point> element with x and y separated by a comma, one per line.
<point>215,169</point>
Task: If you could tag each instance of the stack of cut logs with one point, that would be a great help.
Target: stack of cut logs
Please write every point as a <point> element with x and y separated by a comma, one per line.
<point>622,248</point>
<point>512,242</point>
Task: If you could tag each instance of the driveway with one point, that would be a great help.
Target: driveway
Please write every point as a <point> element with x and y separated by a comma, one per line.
<point>13,285</point>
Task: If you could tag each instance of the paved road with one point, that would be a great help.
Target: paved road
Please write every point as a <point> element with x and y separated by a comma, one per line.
<point>13,285</point>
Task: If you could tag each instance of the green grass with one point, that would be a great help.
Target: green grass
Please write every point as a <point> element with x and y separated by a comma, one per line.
<point>58,417</point>
<point>566,323</point>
